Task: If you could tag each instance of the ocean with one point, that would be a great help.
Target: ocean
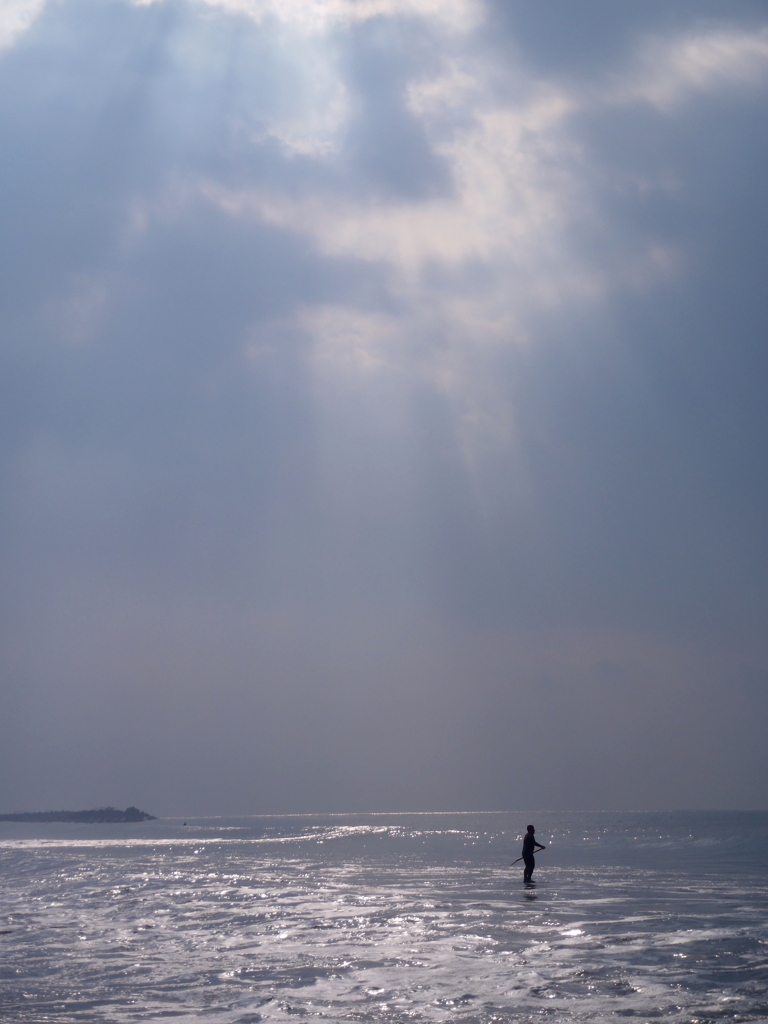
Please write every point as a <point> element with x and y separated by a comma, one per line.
<point>385,918</point>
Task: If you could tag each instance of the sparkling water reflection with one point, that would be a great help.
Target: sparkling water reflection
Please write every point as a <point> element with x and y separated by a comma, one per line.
<point>386,918</point>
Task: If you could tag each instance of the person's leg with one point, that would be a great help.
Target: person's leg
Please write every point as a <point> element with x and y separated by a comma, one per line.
<point>529,866</point>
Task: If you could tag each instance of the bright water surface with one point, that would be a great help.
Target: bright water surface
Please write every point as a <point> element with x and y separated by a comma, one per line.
<point>386,918</point>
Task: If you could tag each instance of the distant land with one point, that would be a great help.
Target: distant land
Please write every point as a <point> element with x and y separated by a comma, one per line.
<point>100,815</point>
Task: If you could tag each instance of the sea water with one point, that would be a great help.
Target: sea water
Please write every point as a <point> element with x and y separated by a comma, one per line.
<point>403,917</point>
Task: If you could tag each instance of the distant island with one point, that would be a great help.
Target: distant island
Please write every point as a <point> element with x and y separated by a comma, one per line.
<point>101,815</point>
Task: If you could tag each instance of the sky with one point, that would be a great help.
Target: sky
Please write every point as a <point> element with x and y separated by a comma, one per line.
<point>383,417</point>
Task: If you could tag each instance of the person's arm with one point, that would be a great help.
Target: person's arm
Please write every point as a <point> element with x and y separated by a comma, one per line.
<point>541,846</point>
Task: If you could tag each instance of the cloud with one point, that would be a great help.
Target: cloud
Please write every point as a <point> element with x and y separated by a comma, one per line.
<point>673,71</point>
<point>370,375</point>
<point>320,15</point>
<point>16,17</point>
<point>474,265</point>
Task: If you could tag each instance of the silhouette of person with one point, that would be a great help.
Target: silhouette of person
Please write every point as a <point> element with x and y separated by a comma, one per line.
<point>529,846</point>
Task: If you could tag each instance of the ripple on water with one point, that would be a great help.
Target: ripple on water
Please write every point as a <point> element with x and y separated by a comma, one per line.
<point>238,930</point>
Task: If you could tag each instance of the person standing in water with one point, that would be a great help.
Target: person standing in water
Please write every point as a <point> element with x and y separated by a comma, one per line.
<point>529,846</point>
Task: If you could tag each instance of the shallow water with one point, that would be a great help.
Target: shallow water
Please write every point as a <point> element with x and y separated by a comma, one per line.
<point>386,918</point>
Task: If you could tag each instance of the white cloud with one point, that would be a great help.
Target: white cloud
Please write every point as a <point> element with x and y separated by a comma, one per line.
<point>16,16</point>
<point>672,71</point>
<point>448,89</point>
<point>315,132</point>
<point>512,190</point>
<point>319,15</point>
<point>472,269</point>
<point>351,339</point>
<point>513,197</point>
